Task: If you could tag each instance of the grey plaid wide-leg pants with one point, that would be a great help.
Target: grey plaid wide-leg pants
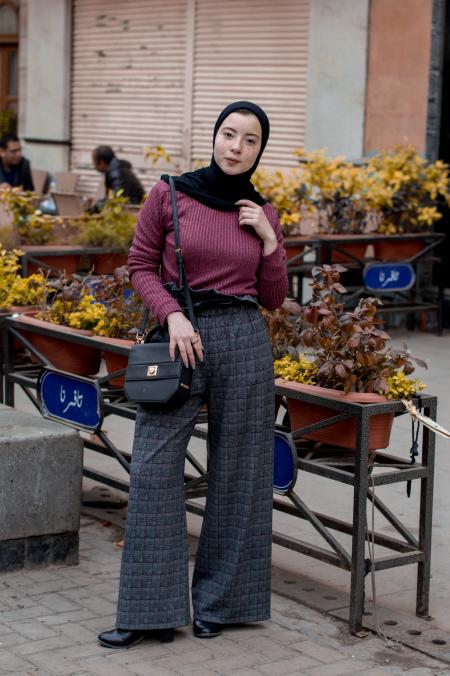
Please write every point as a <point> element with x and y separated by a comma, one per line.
<point>232,572</point>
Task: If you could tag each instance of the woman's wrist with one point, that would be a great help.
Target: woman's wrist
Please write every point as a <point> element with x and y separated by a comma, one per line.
<point>173,315</point>
<point>269,245</point>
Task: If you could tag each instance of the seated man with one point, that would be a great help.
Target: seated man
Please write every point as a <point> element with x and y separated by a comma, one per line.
<point>14,168</point>
<point>118,175</point>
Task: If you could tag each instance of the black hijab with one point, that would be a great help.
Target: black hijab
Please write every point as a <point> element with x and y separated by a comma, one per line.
<point>210,185</point>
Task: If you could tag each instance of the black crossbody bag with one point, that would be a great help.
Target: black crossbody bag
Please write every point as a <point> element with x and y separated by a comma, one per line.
<point>151,376</point>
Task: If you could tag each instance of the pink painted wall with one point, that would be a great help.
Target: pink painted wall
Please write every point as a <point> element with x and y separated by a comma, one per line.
<point>397,73</point>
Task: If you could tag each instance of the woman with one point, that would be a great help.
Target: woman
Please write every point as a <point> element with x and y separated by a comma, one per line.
<point>232,246</point>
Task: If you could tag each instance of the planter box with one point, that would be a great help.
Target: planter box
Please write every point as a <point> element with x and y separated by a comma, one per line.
<point>52,256</point>
<point>82,360</point>
<point>349,243</point>
<point>105,264</point>
<point>342,434</point>
<point>293,246</point>
<point>396,249</point>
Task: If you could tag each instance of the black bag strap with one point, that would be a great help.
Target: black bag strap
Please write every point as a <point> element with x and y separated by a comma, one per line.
<point>182,279</point>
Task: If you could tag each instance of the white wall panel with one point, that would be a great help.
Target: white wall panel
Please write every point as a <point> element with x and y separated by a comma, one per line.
<point>337,76</point>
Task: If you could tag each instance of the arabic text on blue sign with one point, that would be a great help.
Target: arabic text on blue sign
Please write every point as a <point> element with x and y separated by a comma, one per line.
<point>70,399</point>
<point>388,276</point>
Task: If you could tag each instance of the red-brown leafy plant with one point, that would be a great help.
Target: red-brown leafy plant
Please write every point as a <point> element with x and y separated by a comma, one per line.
<point>349,346</point>
<point>281,328</point>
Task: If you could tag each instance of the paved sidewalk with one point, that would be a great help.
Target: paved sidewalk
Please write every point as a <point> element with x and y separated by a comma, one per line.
<point>49,619</point>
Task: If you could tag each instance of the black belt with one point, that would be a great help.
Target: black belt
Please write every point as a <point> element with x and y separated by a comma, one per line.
<point>207,299</point>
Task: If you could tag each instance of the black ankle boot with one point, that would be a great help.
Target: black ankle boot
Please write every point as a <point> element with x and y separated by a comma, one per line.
<point>127,638</point>
<point>203,629</point>
<point>163,635</point>
<point>120,638</point>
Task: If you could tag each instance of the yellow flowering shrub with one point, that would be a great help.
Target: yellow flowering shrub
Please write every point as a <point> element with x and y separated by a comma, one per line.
<point>403,189</point>
<point>17,290</point>
<point>83,313</point>
<point>31,290</point>
<point>115,324</point>
<point>33,227</point>
<point>402,387</point>
<point>37,229</point>
<point>87,314</point>
<point>299,370</point>
<point>9,267</point>
<point>113,227</point>
<point>283,191</point>
<point>335,190</point>
<point>157,152</point>
<point>106,305</point>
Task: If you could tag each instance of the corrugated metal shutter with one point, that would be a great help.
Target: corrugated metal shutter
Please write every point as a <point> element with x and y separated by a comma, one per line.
<point>128,82</point>
<point>255,50</point>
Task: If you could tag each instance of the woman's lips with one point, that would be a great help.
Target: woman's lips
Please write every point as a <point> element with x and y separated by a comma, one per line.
<point>232,161</point>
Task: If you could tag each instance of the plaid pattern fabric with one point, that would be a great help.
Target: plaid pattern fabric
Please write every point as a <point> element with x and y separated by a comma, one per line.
<point>232,573</point>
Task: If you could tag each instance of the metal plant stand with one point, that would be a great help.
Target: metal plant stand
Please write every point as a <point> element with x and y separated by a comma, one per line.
<point>359,472</point>
<point>409,301</point>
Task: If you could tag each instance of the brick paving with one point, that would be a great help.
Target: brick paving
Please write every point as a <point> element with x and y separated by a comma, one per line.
<point>49,619</point>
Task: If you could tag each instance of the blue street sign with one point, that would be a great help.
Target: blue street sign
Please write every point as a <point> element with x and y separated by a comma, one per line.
<point>388,276</point>
<point>284,463</point>
<point>69,399</point>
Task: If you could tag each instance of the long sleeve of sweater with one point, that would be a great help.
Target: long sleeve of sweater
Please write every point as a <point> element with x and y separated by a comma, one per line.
<point>219,254</point>
<point>145,257</point>
<point>273,284</point>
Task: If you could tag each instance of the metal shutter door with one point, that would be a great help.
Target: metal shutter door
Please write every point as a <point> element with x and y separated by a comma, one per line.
<point>256,50</point>
<point>128,82</point>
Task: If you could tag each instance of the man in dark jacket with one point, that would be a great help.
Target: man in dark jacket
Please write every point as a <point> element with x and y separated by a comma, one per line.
<point>14,168</point>
<point>118,174</point>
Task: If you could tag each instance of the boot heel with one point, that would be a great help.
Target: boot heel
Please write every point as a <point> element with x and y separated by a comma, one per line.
<point>165,635</point>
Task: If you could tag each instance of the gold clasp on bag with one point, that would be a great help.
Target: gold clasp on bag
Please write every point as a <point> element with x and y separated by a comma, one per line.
<point>152,370</point>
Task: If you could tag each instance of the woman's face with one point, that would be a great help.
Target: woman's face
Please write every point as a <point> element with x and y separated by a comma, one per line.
<point>237,143</point>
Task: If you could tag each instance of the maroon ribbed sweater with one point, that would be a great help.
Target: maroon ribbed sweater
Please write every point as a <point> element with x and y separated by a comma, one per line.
<point>218,253</point>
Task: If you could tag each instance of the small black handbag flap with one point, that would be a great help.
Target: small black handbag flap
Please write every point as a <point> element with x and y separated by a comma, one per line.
<point>149,353</point>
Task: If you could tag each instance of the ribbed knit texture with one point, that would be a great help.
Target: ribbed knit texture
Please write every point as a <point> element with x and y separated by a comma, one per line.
<point>218,253</point>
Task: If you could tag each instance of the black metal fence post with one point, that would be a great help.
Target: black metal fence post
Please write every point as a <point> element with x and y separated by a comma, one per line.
<point>359,522</point>
<point>426,516</point>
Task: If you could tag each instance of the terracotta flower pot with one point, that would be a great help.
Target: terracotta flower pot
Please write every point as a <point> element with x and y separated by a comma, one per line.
<point>293,246</point>
<point>355,248</point>
<point>82,360</point>
<point>68,262</point>
<point>115,361</point>
<point>342,434</point>
<point>19,310</point>
<point>397,249</point>
<point>105,264</point>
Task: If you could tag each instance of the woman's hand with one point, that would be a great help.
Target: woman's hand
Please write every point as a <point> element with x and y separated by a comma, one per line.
<point>183,336</point>
<point>252,214</point>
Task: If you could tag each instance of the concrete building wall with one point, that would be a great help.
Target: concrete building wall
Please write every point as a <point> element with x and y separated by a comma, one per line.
<point>22,76</point>
<point>398,73</point>
<point>337,76</point>
<point>45,82</point>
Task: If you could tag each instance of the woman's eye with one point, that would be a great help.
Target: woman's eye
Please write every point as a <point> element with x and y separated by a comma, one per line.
<point>228,134</point>
<point>251,141</point>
